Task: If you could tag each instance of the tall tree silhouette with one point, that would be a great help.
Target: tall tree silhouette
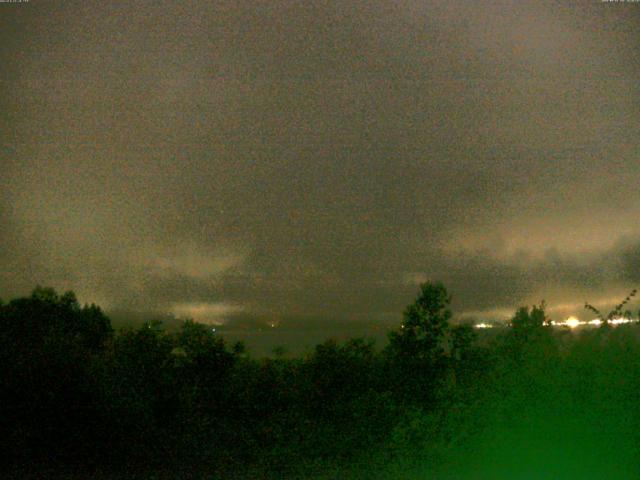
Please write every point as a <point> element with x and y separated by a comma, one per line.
<point>425,322</point>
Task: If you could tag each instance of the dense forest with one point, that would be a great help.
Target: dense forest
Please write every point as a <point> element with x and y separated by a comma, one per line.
<point>439,401</point>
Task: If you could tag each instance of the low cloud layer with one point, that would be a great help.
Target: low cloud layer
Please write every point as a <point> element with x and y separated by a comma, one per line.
<point>310,159</point>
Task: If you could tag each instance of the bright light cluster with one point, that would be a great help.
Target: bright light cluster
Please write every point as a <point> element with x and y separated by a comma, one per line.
<point>483,325</point>
<point>572,322</point>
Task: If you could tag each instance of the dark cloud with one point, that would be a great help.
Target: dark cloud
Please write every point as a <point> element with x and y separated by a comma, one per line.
<point>317,159</point>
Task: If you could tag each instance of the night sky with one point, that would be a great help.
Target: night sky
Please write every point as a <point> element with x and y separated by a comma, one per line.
<point>241,160</point>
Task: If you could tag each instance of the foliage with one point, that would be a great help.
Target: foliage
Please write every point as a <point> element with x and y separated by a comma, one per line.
<point>527,324</point>
<point>425,322</point>
<point>440,401</point>
<point>616,312</point>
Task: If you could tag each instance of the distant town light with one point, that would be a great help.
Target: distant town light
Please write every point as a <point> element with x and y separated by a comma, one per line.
<point>618,321</point>
<point>572,322</point>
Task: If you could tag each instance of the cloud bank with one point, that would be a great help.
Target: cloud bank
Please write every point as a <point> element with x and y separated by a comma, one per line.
<point>309,159</point>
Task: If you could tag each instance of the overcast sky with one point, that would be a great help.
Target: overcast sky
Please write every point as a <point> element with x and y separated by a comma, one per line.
<point>300,159</point>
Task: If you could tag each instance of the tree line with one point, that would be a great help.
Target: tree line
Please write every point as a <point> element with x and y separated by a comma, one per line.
<point>440,400</point>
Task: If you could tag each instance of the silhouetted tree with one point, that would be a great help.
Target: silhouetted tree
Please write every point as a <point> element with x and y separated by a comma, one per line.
<point>616,312</point>
<point>48,345</point>
<point>462,339</point>
<point>527,323</point>
<point>425,321</point>
<point>416,352</point>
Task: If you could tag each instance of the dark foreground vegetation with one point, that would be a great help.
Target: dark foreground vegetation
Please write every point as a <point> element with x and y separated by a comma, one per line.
<point>531,402</point>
